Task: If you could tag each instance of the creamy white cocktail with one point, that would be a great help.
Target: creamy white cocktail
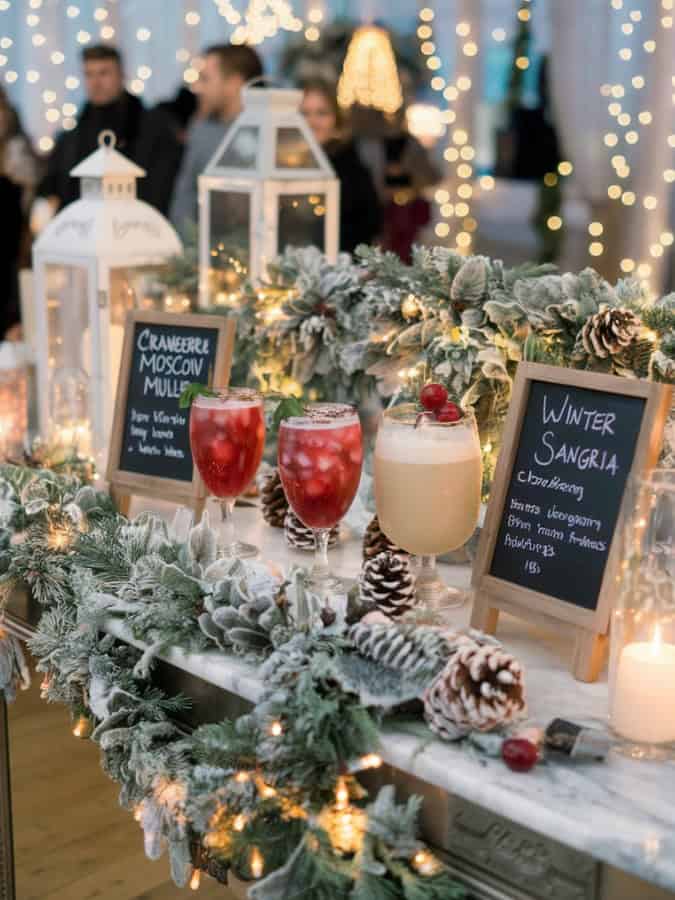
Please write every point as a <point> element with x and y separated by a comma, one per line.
<point>427,485</point>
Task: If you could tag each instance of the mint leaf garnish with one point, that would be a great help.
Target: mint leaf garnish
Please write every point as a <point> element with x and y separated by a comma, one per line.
<point>191,392</point>
<point>286,409</point>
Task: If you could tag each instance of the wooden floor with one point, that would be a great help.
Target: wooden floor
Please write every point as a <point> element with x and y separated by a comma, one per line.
<point>72,840</point>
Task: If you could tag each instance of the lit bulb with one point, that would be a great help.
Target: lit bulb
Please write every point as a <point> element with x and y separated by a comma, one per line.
<point>257,863</point>
<point>371,761</point>
<point>239,822</point>
<point>195,881</point>
<point>276,729</point>
<point>341,794</point>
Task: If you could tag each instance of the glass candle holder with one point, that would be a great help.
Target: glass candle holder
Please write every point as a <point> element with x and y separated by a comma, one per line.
<point>13,400</point>
<point>642,661</point>
<point>69,426</point>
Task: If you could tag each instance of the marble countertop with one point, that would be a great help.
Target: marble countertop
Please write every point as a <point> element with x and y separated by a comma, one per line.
<point>621,812</point>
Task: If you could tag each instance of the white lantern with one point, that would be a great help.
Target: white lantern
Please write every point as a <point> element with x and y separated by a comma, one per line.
<point>268,186</point>
<point>92,263</point>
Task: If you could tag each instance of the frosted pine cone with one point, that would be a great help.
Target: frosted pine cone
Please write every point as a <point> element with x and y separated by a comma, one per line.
<point>609,332</point>
<point>388,583</point>
<point>376,541</point>
<point>480,688</point>
<point>300,537</point>
<point>273,499</point>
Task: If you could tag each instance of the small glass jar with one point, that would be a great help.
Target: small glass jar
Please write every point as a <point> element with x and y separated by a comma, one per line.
<point>642,662</point>
<point>13,400</point>
<point>69,424</point>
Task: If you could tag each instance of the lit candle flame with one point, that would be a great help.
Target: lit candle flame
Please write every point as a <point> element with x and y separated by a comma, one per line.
<point>657,640</point>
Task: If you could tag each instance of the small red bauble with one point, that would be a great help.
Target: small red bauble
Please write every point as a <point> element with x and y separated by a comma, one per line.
<point>520,755</point>
<point>433,396</point>
<point>449,412</point>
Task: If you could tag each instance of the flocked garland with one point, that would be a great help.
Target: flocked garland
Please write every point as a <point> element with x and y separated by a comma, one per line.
<point>339,331</point>
<point>271,796</point>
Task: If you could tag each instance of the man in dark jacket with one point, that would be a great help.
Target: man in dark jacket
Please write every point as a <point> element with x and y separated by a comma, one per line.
<point>145,136</point>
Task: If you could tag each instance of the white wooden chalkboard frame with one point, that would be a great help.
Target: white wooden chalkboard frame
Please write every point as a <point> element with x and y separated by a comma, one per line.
<point>492,594</point>
<point>124,484</point>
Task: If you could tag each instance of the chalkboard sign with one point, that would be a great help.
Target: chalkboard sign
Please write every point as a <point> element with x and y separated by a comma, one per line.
<point>571,443</point>
<point>162,353</point>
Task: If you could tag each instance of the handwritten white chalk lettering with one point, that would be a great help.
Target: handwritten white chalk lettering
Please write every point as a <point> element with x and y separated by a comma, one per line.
<point>150,342</point>
<point>574,455</point>
<point>553,484</point>
<point>586,419</point>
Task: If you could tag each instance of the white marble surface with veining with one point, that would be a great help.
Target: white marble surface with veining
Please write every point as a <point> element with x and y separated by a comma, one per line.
<point>621,812</point>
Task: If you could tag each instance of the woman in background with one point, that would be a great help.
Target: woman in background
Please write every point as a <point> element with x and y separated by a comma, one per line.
<point>18,177</point>
<point>360,210</point>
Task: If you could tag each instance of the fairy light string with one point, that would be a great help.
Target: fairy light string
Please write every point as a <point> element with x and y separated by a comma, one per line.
<point>625,132</point>
<point>454,201</point>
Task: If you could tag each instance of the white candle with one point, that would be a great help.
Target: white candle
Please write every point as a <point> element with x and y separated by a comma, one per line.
<point>644,694</point>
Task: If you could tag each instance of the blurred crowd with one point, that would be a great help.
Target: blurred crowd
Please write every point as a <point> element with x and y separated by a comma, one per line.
<point>382,169</point>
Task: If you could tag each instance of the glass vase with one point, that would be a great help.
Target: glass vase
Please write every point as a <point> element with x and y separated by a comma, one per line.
<point>642,661</point>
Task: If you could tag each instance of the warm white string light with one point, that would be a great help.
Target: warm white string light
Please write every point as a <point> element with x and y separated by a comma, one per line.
<point>459,153</point>
<point>630,136</point>
<point>263,19</point>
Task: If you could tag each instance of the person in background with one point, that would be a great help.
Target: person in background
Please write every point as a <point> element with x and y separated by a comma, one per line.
<point>145,136</point>
<point>182,109</point>
<point>18,177</point>
<point>226,68</point>
<point>360,209</point>
<point>19,162</point>
<point>402,168</point>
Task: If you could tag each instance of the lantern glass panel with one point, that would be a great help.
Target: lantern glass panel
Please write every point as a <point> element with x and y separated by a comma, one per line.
<point>67,314</point>
<point>302,219</point>
<point>229,226</point>
<point>293,150</point>
<point>137,287</point>
<point>242,151</point>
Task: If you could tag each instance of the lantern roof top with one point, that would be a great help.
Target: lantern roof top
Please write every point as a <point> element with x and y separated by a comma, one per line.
<point>106,161</point>
<point>270,139</point>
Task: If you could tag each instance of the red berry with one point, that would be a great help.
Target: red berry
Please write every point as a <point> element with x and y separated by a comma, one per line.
<point>449,412</point>
<point>519,754</point>
<point>433,396</point>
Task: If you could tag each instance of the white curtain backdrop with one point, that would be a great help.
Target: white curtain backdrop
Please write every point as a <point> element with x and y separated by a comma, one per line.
<point>587,38</point>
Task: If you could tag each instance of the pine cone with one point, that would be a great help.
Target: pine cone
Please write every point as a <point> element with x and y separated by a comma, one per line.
<point>388,583</point>
<point>480,688</point>
<point>299,537</point>
<point>411,649</point>
<point>609,332</point>
<point>376,541</point>
<point>273,499</point>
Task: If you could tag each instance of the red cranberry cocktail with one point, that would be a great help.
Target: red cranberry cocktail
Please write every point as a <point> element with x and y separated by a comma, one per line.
<point>320,459</point>
<point>227,438</point>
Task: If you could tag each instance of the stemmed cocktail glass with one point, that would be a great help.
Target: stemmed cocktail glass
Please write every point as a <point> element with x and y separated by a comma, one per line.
<point>227,438</point>
<point>428,490</point>
<point>320,458</point>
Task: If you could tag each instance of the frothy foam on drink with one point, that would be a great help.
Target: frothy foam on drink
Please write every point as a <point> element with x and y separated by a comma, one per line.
<point>245,400</point>
<point>427,444</point>
<point>324,415</point>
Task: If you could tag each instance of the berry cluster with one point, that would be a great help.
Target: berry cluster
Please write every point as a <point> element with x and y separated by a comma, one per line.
<point>434,398</point>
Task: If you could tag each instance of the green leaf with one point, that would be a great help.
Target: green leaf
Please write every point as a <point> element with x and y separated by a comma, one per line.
<point>191,391</point>
<point>287,408</point>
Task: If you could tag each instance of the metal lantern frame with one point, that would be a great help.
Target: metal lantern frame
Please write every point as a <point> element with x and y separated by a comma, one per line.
<point>268,111</point>
<point>108,230</point>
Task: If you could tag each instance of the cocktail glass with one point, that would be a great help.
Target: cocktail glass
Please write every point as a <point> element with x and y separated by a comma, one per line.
<point>227,438</point>
<point>427,491</point>
<point>320,459</point>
